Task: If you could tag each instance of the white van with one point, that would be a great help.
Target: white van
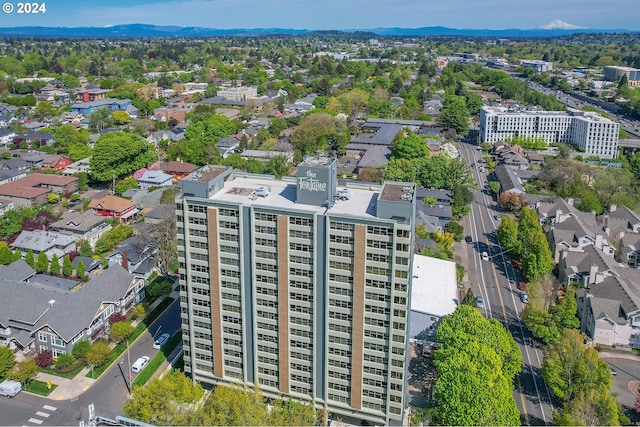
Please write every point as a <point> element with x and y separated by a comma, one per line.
<point>140,364</point>
<point>10,388</point>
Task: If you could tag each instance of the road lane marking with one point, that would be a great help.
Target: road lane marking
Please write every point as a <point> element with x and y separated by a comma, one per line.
<point>42,414</point>
<point>49,408</point>
<point>35,421</point>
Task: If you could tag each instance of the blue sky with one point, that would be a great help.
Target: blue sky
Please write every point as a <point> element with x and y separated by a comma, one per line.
<point>334,14</point>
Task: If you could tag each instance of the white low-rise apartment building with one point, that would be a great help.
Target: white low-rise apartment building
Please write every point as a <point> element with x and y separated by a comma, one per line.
<point>598,136</point>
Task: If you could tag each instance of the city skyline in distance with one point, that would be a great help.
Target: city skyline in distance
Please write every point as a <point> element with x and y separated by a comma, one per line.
<point>335,14</point>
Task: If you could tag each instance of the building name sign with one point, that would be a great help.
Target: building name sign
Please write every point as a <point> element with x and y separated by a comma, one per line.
<point>310,182</point>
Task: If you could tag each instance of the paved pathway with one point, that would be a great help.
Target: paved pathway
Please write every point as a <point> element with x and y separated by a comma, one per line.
<point>67,388</point>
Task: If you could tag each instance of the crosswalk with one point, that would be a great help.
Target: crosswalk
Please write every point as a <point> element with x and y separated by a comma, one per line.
<point>42,415</point>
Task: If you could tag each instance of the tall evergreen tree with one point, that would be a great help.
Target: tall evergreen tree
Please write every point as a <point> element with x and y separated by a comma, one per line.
<point>67,267</point>
<point>43,263</point>
<point>54,267</point>
<point>30,259</point>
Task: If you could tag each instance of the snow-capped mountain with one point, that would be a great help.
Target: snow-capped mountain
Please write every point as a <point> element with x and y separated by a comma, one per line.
<point>557,24</point>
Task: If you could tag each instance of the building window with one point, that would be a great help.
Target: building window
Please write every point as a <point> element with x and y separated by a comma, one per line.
<point>57,341</point>
<point>42,337</point>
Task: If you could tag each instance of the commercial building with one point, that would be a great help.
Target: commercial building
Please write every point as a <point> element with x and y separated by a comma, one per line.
<point>537,65</point>
<point>242,93</point>
<point>614,74</point>
<point>298,286</point>
<point>595,134</point>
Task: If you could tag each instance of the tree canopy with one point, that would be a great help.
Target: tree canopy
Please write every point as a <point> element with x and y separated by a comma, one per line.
<point>118,154</point>
<point>319,131</point>
<point>476,366</point>
<point>200,143</point>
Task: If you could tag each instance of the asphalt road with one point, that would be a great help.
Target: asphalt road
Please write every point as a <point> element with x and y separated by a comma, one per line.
<point>496,280</point>
<point>108,394</point>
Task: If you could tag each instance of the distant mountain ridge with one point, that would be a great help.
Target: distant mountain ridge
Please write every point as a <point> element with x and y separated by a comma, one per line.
<point>145,30</point>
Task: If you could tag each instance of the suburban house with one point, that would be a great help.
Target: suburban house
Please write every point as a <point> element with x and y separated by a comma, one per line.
<point>114,206</point>
<point>10,175</point>
<point>83,165</point>
<point>82,225</point>
<point>5,206</point>
<point>155,178</point>
<point>111,104</point>
<point>48,242</point>
<point>178,170</point>
<point>608,294</point>
<point>36,316</point>
<point>172,135</point>
<point>228,145</point>
<point>56,161</point>
<point>137,255</point>
<point>6,136</point>
<point>301,105</point>
<point>32,190</point>
<point>508,179</point>
<point>32,157</point>
<point>34,137</point>
<point>434,216</point>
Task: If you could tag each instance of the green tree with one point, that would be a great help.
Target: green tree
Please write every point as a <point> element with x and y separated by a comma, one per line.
<point>85,248</point>
<point>43,263</point>
<point>319,131</point>
<point>160,400</point>
<point>589,408</point>
<point>454,114</point>
<point>30,259</point>
<point>159,287</point>
<point>571,368</point>
<point>118,153</point>
<point>80,270</point>
<point>7,361</point>
<point>54,266</point>
<point>100,119</point>
<point>494,186</point>
<point>126,184</point>
<point>43,109</point>
<point>480,355</point>
<point>120,331</point>
<point>24,371</point>
<point>409,147</point>
<point>469,298</point>
<point>64,361</point>
<point>81,348</point>
<point>6,256</point>
<point>120,117</point>
<point>67,266</point>
<point>199,145</point>
<point>507,233</point>
<point>233,405</point>
<point>98,353</point>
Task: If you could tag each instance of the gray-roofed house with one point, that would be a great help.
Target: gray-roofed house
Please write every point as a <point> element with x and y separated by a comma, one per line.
<point>509,182</point>
<point>48,242</point>
<point>139,254</point>
<point>82,225</point>
<point>144,198</point>
<point>155,179</point>
<point>35,314</point>
<point>8,175</point>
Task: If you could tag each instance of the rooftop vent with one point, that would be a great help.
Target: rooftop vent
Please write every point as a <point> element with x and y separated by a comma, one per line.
<point>51,302</point>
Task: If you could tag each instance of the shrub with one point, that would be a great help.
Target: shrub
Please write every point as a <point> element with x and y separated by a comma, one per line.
<point>98,354</point>
<point>80,348</point>
<point>44,359</point>
<point>139,312</point>
<point>120,331</point>
<point>65,361</point>
<point>116,317</point>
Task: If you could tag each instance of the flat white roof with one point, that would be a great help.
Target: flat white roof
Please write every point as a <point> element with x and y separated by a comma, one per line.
<point>434,289</point>
<point>282,195</point>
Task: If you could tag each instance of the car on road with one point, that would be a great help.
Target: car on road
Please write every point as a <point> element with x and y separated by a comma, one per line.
<point>480,302</point>
<point>485,256</point>
<point>496,217</point>
<point>160,341</point>
<point>139,364</point>
<point>524,297</point>
<point>468,239</point>
<point>522,286</point>
<point>613,372</point>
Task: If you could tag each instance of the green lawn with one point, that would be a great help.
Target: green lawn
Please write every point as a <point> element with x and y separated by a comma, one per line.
<point>120,348</point>
<point>157,360</point>
<point>39,387</point>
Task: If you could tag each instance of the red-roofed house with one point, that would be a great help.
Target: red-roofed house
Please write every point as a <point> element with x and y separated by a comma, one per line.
<point>32,190</point>
<point>115,206</point>
<point>56,161</point>
<point>178,170</point>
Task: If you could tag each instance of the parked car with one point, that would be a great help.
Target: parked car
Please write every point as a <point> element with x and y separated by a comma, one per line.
<point>140,364</point>
<point>613,372</point>
<point>522,286</point>
<point>485,256</point>
<point>10,388</point>
<point>160,341</point>
<point>496,217</point>
<point>480,302</point>
<point>524,297</point>
<point>468,239</point>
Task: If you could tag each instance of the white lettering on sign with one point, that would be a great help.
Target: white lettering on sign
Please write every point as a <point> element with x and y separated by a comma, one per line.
<point>311,183</point>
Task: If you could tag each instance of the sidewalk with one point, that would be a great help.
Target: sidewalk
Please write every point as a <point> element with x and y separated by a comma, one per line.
<point>67,388</point>
<point>618,355</point>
